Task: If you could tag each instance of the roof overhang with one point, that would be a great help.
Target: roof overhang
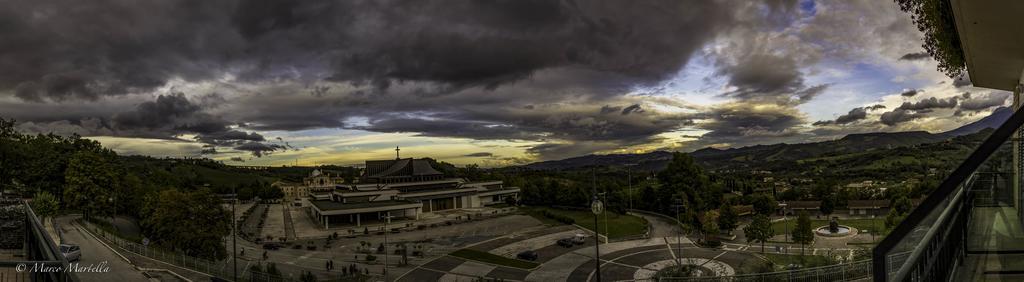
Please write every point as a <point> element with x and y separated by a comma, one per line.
<point>992,37</point>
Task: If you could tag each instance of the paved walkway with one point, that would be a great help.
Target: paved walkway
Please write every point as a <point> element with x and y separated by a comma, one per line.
<point>289,227</point>
<point>97,253</point>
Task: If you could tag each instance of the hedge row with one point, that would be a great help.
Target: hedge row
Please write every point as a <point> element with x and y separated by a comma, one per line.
<point>558,217</point>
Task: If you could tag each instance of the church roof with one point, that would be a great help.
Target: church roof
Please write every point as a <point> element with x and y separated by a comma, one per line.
<point>400,168</point>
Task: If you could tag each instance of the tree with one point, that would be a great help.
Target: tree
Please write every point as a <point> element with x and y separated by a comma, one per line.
<point>759,230</point>
<point>828,205</point>
<point>192,222</point>
<point>90,178</point>
<point>935,19</point>
<point>684,176</point>
<point>710,224</point>
<point>727,219</point>
<point>45,204</point>
<point>764,204</point>
<point>803,232</point>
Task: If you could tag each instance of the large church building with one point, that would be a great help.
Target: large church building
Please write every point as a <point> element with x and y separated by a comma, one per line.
<point>402,189</point>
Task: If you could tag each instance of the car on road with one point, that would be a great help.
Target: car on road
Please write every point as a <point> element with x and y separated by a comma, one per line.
<point>71,252</point>
<point>527,255</point>
<point>579,239</point>
<point>566,242</point>
<point>271,246</point>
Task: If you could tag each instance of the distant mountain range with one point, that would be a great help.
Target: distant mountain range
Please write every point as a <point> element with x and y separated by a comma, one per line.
<point>712,157</point>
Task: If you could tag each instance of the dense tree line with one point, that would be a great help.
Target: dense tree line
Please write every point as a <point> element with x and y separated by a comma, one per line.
<point>75,174</point>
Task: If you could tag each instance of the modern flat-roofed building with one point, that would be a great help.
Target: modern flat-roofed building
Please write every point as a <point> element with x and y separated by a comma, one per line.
<point>402,188</point>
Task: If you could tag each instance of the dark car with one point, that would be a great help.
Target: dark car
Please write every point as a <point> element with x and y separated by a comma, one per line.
<point>566,242</point>
<point>527,255</point>
<point>271,246</point>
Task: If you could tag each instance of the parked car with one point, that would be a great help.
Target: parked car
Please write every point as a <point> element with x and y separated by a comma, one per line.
<point>527,255</point>
<point>272,246</point>
<point>71,252</point>
<point>579,239</point>
<point>566,242</point>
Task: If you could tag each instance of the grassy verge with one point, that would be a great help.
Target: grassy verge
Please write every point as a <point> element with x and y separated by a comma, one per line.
<point>860,223</point>
<point>619,225</point>
<point>494,259</point>
<point>781,260</point>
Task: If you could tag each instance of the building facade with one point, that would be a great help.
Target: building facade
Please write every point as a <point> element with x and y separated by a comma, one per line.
<point>400,189</point>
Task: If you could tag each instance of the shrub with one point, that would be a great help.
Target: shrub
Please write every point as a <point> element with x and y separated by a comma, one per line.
<point>557,217</point>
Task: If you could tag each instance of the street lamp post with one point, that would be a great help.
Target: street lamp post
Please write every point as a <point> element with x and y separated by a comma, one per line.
<point>387,218</point>
<point>597,207</point>
<point>784,221</point>
<point>234,234</point>
<point>679,239</point>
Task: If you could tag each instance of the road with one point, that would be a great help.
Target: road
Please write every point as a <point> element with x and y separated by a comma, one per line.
<point>94,252</point>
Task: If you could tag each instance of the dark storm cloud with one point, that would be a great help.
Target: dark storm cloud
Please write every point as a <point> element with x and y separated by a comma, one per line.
<point>758,75</point>
<point>479,155</point>
<point>875,107</point>
<point>237,159</point>
<point>734,121</point>
<point>930,103</point>
<point>978,103</point>
<point>915,56</point>
<point>635,108</point>
<point>606,109</point>
<point>899,116</point>
<point>259,149</point>
<point>910,93</point>
<point>854,115</point>
<point>50,54</point>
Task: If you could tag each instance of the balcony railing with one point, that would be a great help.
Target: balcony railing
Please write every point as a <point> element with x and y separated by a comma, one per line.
<point>929,244</point>
<point>40,250</point>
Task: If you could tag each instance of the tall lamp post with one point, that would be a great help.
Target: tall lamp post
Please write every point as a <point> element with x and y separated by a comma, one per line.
<point>234,233</point>
<point>679,239</point>
<point>387,218</point>
<point>784,221</point>
<point>597,207</point>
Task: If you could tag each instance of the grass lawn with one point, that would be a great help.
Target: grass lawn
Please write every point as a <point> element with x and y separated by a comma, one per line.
<point>492,258</point>
<point>619,225</point>
<point>781,260</point>
<point>861,224</point>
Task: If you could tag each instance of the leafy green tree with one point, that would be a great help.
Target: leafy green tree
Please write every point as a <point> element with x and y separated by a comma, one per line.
<point>192,222</point>
<point>803,233</point>
<point>45,204</point>
<point>764,204</point>
<point>710,225</point>
<point>935,19</point>
<point>759,230</point>
<point>683,176</point>
<point>91,178</point>
<point>728,218</point>
<point>827,206</point>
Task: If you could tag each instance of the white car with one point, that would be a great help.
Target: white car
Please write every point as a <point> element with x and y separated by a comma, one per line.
<point>579,238</point>
<point>71,252</point>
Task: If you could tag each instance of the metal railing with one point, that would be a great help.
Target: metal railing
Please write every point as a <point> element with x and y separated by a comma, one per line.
<point>40,251</point>
<point>851,271</point>
<point>929,243</point>
<point>220,270</point>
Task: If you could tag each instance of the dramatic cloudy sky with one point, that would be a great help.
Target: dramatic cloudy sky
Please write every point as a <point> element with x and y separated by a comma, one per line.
<point>486,82</point>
